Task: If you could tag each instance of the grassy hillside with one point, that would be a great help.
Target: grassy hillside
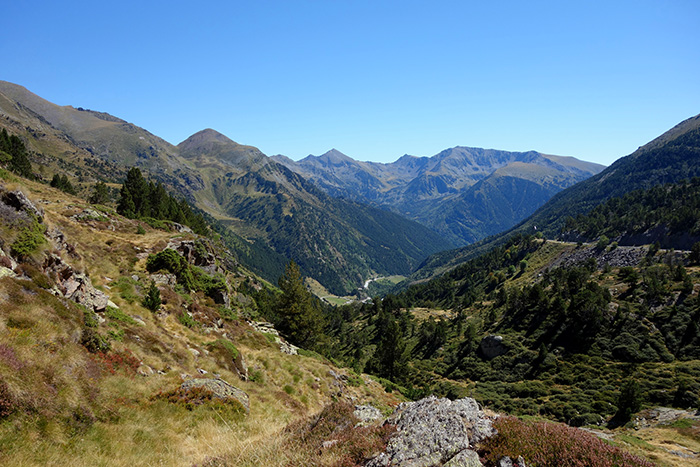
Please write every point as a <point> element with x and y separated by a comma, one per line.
<point>84,388</point>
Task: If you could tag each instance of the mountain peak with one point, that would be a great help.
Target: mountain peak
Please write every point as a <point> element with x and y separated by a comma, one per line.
<point>206,136</point>
<point>335,156</point>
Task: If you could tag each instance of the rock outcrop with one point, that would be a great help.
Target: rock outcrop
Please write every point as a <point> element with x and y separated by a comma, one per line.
<point>436,432</point>
<point>220,389</point>
<point>20,202</point>
<point>492,347</point>
<point>269,328</point>
<point>75,286</point>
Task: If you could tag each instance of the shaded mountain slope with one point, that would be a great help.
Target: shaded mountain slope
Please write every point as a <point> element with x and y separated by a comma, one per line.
<point>338,242</point>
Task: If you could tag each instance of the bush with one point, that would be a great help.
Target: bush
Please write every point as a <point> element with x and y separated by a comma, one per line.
<point>545,444</point>
<point>28,241</point>
<point>93,341</point>
<point>186,320</point>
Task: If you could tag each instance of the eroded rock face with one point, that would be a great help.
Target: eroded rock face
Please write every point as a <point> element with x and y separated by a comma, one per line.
<point>435,432</point>
<point>220,388</point>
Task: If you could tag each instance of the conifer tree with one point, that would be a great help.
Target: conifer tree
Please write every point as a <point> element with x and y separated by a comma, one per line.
<point>100,194</point>
<point>152,300</point>
<point>300,318</point>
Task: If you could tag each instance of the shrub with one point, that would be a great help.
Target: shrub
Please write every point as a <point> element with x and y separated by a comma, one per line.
<point>93,341</point>
<point>115,314</point>
<point>119,360</point>
<point>545,444</point>
<point>195,397</point>
<point>186,320</point>
<point>152,300</point>
<point>8,405</point>
<point>28,241</point>
<point>336,422</point>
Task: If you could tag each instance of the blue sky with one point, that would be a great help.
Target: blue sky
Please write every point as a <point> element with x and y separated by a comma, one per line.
<point>373,79</point>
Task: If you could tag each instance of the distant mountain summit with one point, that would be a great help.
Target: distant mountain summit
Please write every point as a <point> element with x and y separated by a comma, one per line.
<point>211,143</point>
<point>463,193</point>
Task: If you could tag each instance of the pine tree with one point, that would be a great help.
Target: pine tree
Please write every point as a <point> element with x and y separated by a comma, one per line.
<point>14,147</point>
<point>100,194</point>
<point>152,299</point>
<point>134,192</point>
<point>300,318</point>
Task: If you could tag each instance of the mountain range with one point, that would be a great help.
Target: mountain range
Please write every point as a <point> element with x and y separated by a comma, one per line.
<point>465,194</point>
<point>274,214</point>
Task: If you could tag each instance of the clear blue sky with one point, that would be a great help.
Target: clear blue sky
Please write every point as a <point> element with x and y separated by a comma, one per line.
<point>373,79</point>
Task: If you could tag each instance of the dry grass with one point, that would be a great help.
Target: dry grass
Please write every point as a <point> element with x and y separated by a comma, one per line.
<point>68,409</point>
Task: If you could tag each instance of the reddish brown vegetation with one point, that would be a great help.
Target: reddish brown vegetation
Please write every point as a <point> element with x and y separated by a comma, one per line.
<point>546,444</point>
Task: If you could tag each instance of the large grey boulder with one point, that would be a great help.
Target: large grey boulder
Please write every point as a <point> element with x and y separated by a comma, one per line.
<point>492,346</point>
<point>220,388</point>
<point>435,432</point>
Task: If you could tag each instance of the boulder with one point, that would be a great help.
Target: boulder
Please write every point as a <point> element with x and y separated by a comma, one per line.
<point>432,432</point>
<point>492,346</point>
<point>20,202</point>
<point>220,388</point>
<point>75,286</point>
<point>367,414</point>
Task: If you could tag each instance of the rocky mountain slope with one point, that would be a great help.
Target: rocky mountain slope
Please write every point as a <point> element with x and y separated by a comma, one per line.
<point>462,193</point>
<point>273,214</point>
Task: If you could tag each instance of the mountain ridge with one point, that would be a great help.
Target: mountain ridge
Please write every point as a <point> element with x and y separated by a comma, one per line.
<point>419,187</point>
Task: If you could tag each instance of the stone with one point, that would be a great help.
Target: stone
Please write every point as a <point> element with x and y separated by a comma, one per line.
<point>433,431</point>
<point>20,202</point>
<point>220,389</point>
<point>508,462</point>
<point>164,279</point>
<point>241,367</point>
<point>466,458</point>
<point>367,414</point>
<point>492,346</point>
<point>4,272</point>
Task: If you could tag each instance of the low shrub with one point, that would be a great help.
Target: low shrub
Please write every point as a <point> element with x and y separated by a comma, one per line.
<point>119,360</point>
<point>195,397</point>
<point>186,320</point>
<point>93,341</point>
<point>349,446</point>
<point>545,444</point>
<point>28,241</point>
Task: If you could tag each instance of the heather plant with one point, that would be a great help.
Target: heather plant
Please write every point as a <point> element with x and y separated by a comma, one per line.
<point>350,446</point>
<point>544,444</point>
